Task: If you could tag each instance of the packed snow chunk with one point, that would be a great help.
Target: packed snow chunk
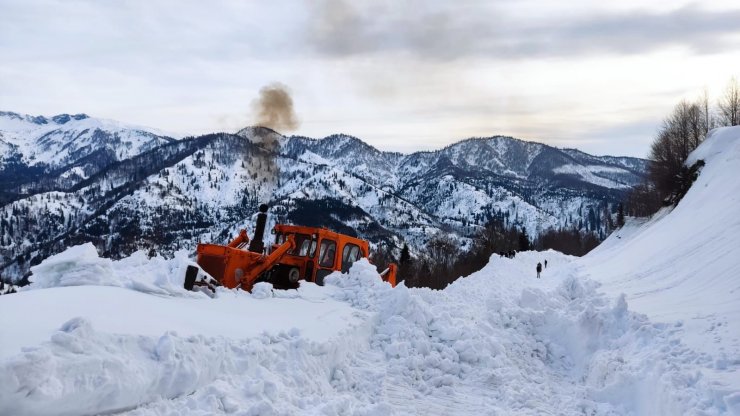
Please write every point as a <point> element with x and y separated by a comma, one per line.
<point>83,371</point>
<point>155,275</point>
<point>82,266</point>
<point>361,287</point>
<point>76,266</point>
<point>262,290</point>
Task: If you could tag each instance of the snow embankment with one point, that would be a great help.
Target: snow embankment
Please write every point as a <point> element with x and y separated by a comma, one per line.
<point>683,264</point>
<point>497,342</point>
<point>105,336</point>
<point>81,265</point>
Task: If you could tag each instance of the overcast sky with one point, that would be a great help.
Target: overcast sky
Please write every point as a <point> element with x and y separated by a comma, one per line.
<point>401,75</point>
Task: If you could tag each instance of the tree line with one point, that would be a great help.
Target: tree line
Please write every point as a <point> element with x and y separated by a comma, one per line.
<point>668,179</point>
<point>443,260</point>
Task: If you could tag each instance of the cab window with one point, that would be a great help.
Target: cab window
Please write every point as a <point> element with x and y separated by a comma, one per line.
<point>302,245</point>
<point>327,253</point>
<point>350,254</point>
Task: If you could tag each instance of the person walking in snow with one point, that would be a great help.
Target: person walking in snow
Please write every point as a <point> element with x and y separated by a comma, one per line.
<point>539,269</point>
<point>545,263</point>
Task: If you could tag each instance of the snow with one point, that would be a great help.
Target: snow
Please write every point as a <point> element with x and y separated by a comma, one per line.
<point>681,266</point>
<point>644,325</point>
<point>89,345</point>
<point>56,140</point>
<point>590,173</point>
<point>497,342</point>
<point>311,157</point>
<point>75,171</point>
<point>81,265</point>
<point>134,279</point>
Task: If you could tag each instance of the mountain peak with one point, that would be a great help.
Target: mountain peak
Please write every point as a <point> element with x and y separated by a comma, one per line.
<point>41,120</point>
<point>264,136</point>
<point>252,131</point>
<point>64,118</point>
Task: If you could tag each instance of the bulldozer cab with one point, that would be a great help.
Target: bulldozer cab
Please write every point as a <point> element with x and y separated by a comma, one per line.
<point>318,252</point>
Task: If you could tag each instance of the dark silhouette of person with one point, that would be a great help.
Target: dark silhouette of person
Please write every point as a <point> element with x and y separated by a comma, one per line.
<point>328,260</point>
<point>539,269</point>
<point>545,263</point>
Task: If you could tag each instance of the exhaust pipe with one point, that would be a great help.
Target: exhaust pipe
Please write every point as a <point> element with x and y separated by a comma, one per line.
<point>257,245</point>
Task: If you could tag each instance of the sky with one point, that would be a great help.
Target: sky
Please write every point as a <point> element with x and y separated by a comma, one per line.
<point>402,75</point>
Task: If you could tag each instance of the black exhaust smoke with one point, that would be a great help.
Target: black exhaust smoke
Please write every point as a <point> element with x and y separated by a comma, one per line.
<point>257,245</point>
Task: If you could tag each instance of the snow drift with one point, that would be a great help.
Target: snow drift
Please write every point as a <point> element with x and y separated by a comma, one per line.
<point>497,342</point>
<point>81,265</point>
<point>682,265</point>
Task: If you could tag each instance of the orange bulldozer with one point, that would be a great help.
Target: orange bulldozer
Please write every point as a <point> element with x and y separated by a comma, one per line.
<point>299,253</point>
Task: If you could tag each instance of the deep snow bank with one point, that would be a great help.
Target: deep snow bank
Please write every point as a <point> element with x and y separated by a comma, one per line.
<point>497,342</point>
<point>81,265</point>
<point>107,335</point>
<point>683,265</point>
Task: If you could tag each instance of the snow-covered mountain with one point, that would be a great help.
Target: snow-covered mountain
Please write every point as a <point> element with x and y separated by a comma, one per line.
<point>39,154</point>
<point>65,139</point>
<point>71,179</point>
<point>647,324</point>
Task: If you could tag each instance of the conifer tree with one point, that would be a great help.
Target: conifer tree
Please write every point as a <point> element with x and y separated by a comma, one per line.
<point>620,215</point>
<point>523,240</point>
<point>405,255</point>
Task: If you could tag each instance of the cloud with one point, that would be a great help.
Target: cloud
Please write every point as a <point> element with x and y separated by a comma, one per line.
<point>440,31</point>
<point>426,29</point>
<point>631,138</point>
<point>429,71</point>
<point>635,32</point>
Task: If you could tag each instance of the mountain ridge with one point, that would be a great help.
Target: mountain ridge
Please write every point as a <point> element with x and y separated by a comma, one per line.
<point>178,191</point>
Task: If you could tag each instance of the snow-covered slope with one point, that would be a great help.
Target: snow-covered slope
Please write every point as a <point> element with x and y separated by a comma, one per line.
<point>497,342</point>
<point>684,264</point>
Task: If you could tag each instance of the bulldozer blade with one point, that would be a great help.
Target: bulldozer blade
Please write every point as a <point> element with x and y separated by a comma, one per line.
<point>190,275</point>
